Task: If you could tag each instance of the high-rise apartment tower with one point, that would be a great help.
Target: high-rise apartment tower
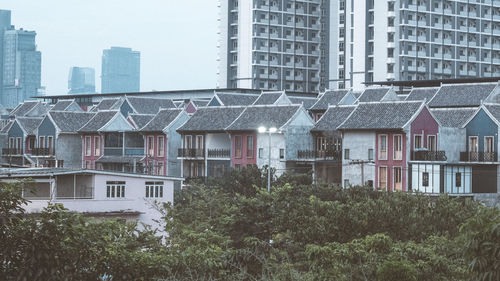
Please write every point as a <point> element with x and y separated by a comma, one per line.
<point>274,44</point>
<point>81,80</point>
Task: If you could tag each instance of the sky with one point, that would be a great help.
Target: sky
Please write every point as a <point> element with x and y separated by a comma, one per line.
<point>177,38</point>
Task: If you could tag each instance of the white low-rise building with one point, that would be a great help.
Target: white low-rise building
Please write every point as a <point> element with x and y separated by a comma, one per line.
<point>96,194</point>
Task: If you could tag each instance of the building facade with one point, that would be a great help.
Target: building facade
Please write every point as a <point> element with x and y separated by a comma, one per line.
<point>21,67</point>
<point>413,40</point>
<point>120,70</point>
<point>274,44</point>
<point>81,80</point>
<point>5,17</point>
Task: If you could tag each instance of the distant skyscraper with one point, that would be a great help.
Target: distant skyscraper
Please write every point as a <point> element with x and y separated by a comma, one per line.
<point>4,25</point>
<point>120,70</point>
<point>21,67</point>
<point>81,80</point>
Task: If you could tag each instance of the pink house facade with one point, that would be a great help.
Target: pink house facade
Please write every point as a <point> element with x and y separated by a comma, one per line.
<point>243,149</point>
<point>391,161</point>
<point>155,154</point>
<point>93,149</point>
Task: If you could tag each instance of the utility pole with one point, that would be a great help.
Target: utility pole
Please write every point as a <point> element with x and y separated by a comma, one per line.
<point>362,163</point>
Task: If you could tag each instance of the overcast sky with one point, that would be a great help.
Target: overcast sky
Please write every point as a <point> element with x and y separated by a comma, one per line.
<point>177,38</point>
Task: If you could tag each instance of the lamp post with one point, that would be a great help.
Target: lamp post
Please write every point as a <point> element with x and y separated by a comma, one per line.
<point>270,131</point>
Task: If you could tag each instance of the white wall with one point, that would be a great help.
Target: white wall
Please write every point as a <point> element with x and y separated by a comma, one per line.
<point>218,141</point>
<point>452,141</point>
<point>450,179</point>
<point>358,143</point>
<point>418,170</point>
<point>222,44</point>
<point>245,33</point>
<point>278,141</point>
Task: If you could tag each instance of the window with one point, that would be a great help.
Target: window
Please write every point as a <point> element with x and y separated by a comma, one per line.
<point>50,142</point>
<point>188,142</point>
<point>87,165</point>
<point>237,146</point>
<point>282,153</point>
<point>418,142</point>
<point>31,143</point>
<point>11,143</point>
<point>398,179</point>
<point>425,179</point>
<point>458,179</point>
<point>199,142</point>
<point>382,150</point>
<point>431,143</point>
<point>382,177</point>
<point>88,145</point>
<point>154,189</point>
<point>250,147</point>
<point>347,183</point>
<point>41,143</point>
<point>346,154</point>
<point>115,189</point>
<point>370,154</point>
<point>473,144</point>
<point>398,147</point>
<point>161,146</point>
<point>488,145</point>
<point>161,168</point>
<point>97,145</point>
<point>261,152</point>
<point>151,145</point>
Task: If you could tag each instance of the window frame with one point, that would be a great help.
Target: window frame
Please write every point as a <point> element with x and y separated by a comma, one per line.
<point>394,154</point>
<point>161,146</point>
<point>154,189</point>
<point>400,169</point>
<point>151,146</point>
<point>371,154</point>
<point>238,146</point>
<point>458,179</point>
<point>477,144</point>
<point>415,141</point>
<point>97,145</point>
<point>434,143</point>
<point>250,147</point>
<point>492,144</point>
<point>380,146</point>
<point>386,176</point>
<point>115,190</point>
<point>282,153</point>
<point>41,142</point>
<point>88,146</point>
<point>425,182</point>
<point>347,154</point>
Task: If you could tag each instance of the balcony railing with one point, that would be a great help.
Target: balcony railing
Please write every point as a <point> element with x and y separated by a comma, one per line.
<point>12,151</point>
<point>134,151</point>
<point>335,155</point>
<point>191,153</point>
<point>424,155</point>
<point>219,153</point>
<point>113,151</point>
<point>42,151</point>
<point>478,156</point>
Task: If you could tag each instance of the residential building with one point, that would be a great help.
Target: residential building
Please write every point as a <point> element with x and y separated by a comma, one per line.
<point>413,40</point>
<point>97,194</point>
<point>21,67</point>
<point>251,147</point>
<point>120,70</point>
<point>81,80</point>
<point>326,155</point>
<point>162,142</point>
<point>331,98</point>
<point>206,149</point>
<point>274,44</point>
<point>21,135</point>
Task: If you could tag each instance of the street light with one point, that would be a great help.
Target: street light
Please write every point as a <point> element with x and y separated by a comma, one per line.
<point>271,130</point>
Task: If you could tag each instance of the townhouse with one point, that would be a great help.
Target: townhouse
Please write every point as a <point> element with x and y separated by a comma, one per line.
<point>21,136</point>
<point>206,147</point>
<point>251,147</point>
<point>161,142</point>
<point>331,98</point>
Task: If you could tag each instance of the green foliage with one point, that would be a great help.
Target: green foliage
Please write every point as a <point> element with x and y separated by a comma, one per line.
<point>232,228</point>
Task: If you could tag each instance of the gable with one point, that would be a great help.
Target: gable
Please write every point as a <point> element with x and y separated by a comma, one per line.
<point>15,131</point>
<point>46,128</point>
<point>118,123</point>
<point>126,109</point>
<point>74,107</point>
<point>301,119</point>
<point>349,99</point>
<point>283,99</point>
<point>214,102</point>
<point>481,125</point>
<point>391,96</point>
<point>424,121</point>
<point>190,108</point>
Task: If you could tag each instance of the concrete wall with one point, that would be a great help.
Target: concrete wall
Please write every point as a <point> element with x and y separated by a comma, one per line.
<point>69,148</point>
<point>174,142</point>
<point>452,141</point>
<point>278,141</point>
<point>450,175</point>
<point>434,172</point>
<point>298,135</point>
<point>358,143</point>
<point>218,141</point>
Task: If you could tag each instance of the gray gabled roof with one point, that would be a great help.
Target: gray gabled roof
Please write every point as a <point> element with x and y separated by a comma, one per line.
<point>161,120</point>
<point>453,117</point>
<point>29,124</point>
<point>267,98</point>
<point>494,109</point>
<point>105,104</point>
<point>140,120</point>
<point>70,122</point>
<point>200,103</point>
<point>329,98</point>
<point>7,127</point>
<point>462,95</point>
<point>374,94</point>
<point>420,94</point>
<point>211,119</point>
<point>333,117</point>
<point>23,108</point>
<point>236,99</point>
<point>98,121</point>
<point>61,105</point>
<point>254,117</point>
<point>306,101</point>
<point>149,105</point>
<point>381,115</point>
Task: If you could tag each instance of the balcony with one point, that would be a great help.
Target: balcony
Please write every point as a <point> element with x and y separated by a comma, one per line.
<point>219,153</point>
<point>191,153</point>
<point>424,155</point>
<point>42,152</point>
<point>12,151</point>
<point>134,151</point>
<point>334,155</point>
<point>113,151</point>
<point>478,156</point>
